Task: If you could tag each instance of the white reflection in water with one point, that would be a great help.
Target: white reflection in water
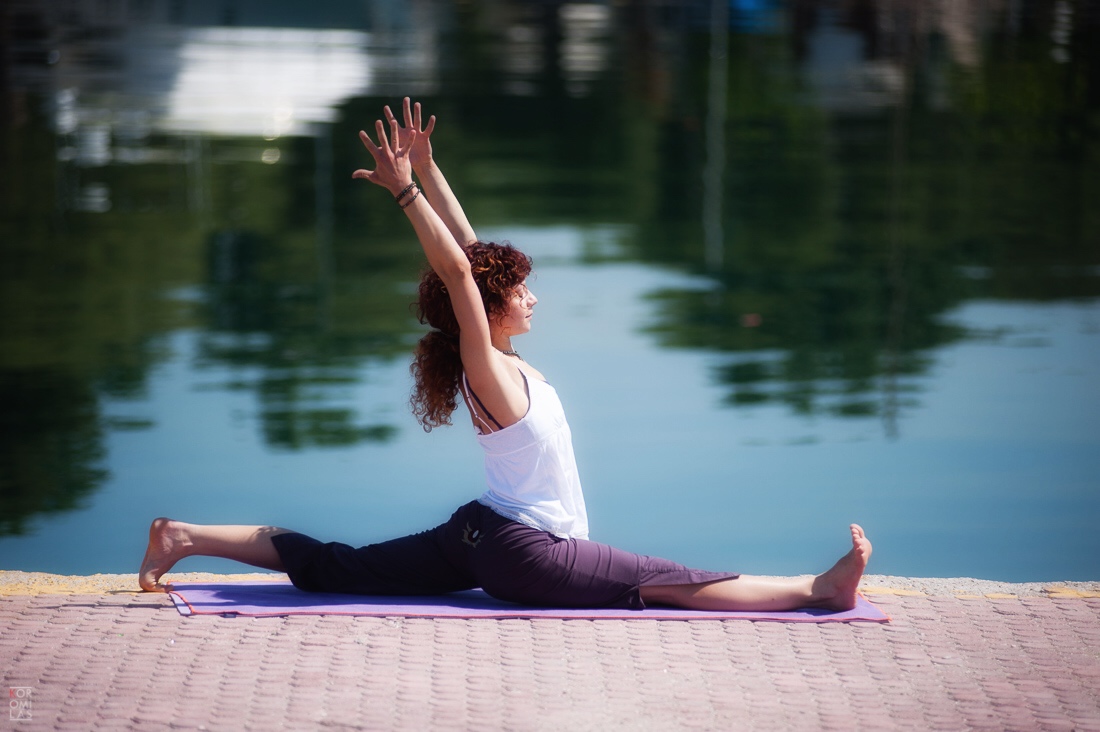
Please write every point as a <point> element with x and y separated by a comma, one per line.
<point>265,81</point>
<point>95,198</point>
<point>220,81</point>
<point>584,53</point>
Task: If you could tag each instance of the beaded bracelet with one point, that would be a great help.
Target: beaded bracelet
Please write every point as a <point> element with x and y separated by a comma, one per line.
<point>401,195</point>
<point>408,203</point>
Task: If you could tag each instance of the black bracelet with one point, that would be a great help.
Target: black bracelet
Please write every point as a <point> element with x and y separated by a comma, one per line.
<point>401,195</point>
<point>408,203</point>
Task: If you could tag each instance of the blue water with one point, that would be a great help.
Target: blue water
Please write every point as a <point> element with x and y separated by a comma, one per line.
<point>992,473</point>
<point>798,265</point>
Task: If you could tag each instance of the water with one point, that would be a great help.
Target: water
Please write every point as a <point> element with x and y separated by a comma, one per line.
<point>851,275</point>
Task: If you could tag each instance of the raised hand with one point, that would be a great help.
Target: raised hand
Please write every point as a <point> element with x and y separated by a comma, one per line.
<point>420,152</point>
<point>392,168</point>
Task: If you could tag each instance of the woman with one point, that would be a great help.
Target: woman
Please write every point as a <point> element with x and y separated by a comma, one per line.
<point>526,538</point>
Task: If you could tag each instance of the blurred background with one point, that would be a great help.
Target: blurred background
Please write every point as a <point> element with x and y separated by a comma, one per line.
<point>799,264</point>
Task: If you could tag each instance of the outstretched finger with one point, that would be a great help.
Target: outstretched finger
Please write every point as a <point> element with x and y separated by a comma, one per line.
<point>431,126</point>
<point>410,120</point>
<point>368,143</point>
<point>395,130</point>
<point>383,141</point>
<point>389,113</point>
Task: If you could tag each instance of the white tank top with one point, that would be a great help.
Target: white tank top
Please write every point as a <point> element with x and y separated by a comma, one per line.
<point>531,471</point>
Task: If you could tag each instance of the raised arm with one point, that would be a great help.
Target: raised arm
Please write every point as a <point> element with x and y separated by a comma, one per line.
<point>431,178</point>
<point>496,381</point>
<point>393,171</point>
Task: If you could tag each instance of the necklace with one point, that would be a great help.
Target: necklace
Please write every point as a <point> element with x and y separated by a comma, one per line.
<point>512,353</point>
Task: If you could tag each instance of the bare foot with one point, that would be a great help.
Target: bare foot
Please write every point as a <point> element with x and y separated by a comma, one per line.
<point>837,588</point>
<point>166,547</point>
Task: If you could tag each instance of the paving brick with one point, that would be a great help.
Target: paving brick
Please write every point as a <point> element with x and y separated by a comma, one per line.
<point>944,663</point>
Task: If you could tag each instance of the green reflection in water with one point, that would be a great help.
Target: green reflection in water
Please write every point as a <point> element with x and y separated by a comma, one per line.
<point>850,215</point>
<point>848,235</point>
<point>84,305</point>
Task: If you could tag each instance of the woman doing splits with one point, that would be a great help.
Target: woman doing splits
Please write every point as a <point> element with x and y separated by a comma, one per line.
<point>525,539</point>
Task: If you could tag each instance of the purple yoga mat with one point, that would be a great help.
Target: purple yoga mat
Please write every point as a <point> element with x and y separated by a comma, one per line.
<point>262,599</point>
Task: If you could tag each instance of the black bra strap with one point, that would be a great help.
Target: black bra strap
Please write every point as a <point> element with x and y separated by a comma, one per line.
<point>486,412</point>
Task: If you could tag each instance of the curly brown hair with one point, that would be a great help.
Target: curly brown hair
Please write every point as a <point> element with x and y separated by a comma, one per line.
<point>498,269</point>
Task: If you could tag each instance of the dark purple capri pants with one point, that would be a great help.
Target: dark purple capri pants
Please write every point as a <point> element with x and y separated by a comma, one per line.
<point>479,548</point>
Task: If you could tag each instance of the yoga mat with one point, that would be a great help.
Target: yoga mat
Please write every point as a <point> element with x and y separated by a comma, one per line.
<point>265,599</point>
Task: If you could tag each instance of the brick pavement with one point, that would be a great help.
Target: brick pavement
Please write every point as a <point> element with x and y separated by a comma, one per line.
<point>129,661</point>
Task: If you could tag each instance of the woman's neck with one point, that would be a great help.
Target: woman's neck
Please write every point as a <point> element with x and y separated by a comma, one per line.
<point>504,345</point>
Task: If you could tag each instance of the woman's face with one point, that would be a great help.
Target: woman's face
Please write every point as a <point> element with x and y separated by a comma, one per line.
<point>516,319</point>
